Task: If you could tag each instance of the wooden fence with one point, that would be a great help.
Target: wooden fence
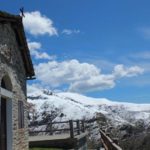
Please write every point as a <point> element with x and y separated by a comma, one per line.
<point>77,127</point>
<point>108,143</point>
<point>74,127</point>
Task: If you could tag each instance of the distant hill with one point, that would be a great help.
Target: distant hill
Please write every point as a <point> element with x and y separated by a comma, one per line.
<point>76,106</point>
<point>128,121</point>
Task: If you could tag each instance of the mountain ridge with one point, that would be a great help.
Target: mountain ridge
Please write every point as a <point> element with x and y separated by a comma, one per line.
<point>77,106</point>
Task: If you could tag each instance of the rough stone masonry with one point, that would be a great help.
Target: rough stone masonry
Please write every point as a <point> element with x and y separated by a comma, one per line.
<point>15,68</point>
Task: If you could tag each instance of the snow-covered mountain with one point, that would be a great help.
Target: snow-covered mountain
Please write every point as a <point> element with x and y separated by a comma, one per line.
<point>76,106</point>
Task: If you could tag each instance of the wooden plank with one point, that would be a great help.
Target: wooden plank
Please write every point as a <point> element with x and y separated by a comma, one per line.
<point>71,129</point>
<point>58,141</point>
<point>108,142</point>
<point>47,131</point>
<point>78,127</point>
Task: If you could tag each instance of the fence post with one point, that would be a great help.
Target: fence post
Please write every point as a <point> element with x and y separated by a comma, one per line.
<point>51,129</point>
<point>78,127</point>
<point>71,129</point>
<point>83,127</point>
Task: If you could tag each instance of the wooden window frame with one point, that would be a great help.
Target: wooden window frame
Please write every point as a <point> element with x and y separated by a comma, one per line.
<point>20,114</point>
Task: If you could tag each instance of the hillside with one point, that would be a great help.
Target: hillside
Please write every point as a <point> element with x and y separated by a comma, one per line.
<point>76,106</point>
<point>127,121</point>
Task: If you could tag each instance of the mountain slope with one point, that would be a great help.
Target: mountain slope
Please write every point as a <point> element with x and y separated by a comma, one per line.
<point>76,106</point>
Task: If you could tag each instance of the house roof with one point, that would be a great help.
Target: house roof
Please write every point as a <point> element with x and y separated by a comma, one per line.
<point>16,21</point>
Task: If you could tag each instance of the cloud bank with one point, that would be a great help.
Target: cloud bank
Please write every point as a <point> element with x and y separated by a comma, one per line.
<point>81,77</point>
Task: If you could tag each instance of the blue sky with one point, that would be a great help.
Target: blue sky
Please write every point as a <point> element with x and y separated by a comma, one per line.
<point>94,47</point>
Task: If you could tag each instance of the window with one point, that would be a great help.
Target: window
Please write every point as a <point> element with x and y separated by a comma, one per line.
<point>20,114</point>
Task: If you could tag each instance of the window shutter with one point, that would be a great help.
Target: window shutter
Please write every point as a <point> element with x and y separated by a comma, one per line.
<point>20,114</point>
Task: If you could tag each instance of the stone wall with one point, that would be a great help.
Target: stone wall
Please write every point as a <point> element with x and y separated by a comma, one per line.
<point>11,64</point>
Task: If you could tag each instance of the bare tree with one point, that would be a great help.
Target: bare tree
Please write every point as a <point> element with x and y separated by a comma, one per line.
<point>49,114</point>
<point>33,114</point>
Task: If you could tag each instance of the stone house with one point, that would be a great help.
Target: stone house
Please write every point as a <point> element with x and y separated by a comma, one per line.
<point>15,68</point>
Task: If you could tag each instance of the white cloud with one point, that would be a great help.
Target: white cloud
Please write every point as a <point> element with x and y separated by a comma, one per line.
<point>33,88</point>
<point>141,58</point>
<point>81,77</point>
<point>55,73</point>
<point>34,47</point>
<point>42,55</point>
<point>121,71</point>
<point>69,31</point>
<point>94,83</point>
<point>37,24</point>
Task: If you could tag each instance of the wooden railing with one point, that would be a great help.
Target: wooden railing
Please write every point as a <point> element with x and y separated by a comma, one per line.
<point>77,127</point>
<point>73,127</point>
<point>108,143</point>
